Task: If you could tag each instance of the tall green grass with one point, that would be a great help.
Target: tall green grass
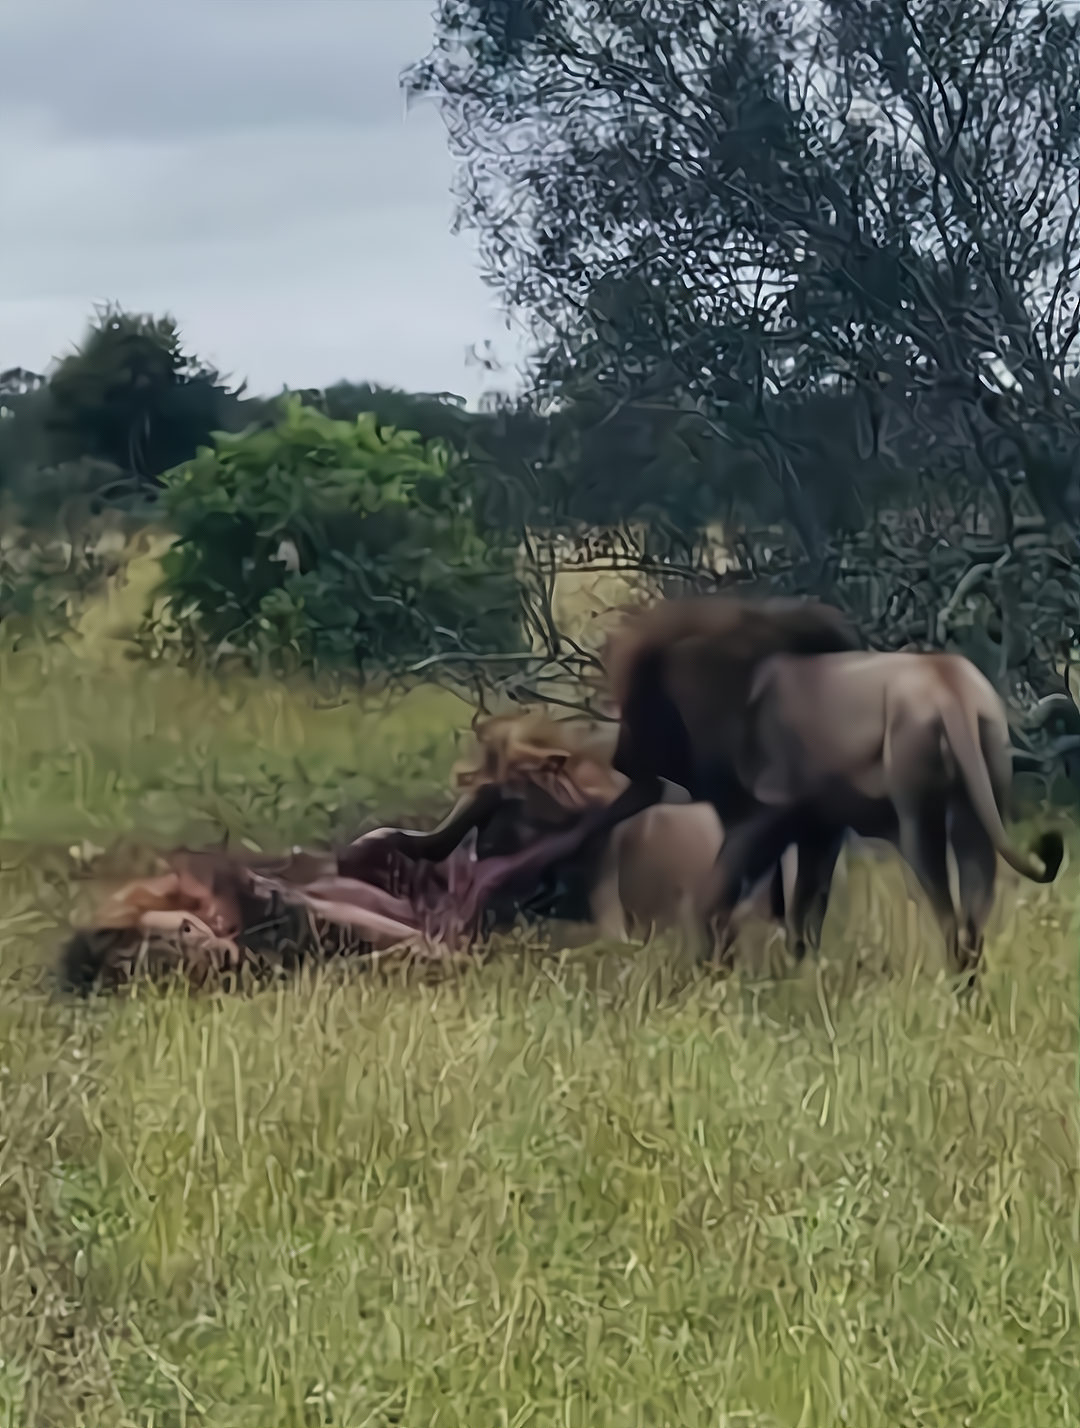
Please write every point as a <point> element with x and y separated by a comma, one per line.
<point>593,1188</point>
<point>91,751</point>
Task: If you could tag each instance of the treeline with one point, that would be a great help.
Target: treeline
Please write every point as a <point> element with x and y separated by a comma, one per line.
<point>372,530</point>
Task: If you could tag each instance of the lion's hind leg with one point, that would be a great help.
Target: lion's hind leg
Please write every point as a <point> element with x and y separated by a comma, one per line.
<point>605,898</point>
<point>924,845</point>
<point>976,875</point>
<point>919,788</point>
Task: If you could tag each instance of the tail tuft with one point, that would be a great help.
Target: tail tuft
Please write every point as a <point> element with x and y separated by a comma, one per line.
<point>1050,851</point>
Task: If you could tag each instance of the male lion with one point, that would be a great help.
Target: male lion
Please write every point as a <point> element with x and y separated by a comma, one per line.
<point>680,673</point>
<point>924,733</point>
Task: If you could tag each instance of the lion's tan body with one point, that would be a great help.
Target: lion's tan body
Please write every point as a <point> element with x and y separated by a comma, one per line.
<point>654,868</point>
<point>926,732</point>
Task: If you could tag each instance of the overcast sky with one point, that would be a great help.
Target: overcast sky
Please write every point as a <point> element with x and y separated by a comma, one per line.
<point>248,166</point>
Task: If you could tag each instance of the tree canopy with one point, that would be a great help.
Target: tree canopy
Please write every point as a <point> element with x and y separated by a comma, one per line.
<point>830,254</point>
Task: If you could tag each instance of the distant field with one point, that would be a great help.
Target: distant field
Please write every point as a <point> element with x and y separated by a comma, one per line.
<point>594,1188</point>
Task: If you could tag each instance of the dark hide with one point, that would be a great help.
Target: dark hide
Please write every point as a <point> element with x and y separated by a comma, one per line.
<point>535,864</point>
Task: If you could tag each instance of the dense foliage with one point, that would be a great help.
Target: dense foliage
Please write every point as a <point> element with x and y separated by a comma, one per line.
<point>126,405</point>
<point>319,542</point>
<point>814,271</point>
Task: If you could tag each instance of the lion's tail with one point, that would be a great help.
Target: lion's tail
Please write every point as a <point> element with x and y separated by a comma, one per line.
<point>962,733</point>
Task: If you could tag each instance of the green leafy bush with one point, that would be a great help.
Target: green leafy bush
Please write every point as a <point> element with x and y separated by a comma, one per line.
<point>322,543</point>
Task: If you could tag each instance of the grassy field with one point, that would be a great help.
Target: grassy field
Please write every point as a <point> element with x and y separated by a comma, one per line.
<point>583,1187</point>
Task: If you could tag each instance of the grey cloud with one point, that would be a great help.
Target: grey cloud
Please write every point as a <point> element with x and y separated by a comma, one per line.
<point>254,175</point>
<point>218,189</point>
<point>287,256</point>
<point>160,69</point>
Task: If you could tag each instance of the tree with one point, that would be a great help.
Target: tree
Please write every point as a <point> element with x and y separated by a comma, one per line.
<point>99,430</point>
<point>838,247</point>
<point>130,395</point>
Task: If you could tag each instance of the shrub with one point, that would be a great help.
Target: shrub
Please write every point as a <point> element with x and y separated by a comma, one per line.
<point>321,543</point>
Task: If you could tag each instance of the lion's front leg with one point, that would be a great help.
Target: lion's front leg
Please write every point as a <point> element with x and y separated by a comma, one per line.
<point>808,869</point>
